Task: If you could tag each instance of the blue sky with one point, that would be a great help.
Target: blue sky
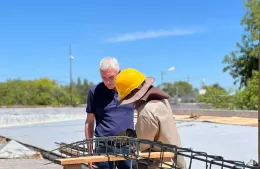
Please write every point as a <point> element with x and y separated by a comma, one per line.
<point>193,36</point>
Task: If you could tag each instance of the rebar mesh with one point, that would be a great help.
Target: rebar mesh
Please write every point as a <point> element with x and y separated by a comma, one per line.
<point>113,147</point>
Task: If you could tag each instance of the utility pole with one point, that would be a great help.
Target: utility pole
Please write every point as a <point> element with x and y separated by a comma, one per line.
<point>259,98</point>
<point>203,83</point>
<point>162,74</point>
<point>177,92</point>
<point>71,58</point>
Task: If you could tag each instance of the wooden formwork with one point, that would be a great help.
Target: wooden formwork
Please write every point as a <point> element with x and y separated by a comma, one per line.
<point>75,163</point>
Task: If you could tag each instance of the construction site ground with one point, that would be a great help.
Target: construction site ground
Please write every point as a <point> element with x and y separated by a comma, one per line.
<point>221,120</point>
<point>215,119</point>
<point>28,164</point>
<point>42,163</point>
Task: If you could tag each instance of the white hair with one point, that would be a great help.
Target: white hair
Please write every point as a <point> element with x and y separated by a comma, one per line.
<point>109,62</point>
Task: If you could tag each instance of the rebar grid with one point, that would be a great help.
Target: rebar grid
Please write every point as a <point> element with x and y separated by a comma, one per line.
<point>114,147</point>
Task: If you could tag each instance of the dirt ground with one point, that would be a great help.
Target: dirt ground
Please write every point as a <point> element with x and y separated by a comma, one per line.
<point>221,120</point>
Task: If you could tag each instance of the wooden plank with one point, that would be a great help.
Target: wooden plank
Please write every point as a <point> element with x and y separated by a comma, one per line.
<point>72,166</point>
<point>102,158</point>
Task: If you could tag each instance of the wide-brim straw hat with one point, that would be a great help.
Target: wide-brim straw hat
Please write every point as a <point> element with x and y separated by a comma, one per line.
<point>138,93</point>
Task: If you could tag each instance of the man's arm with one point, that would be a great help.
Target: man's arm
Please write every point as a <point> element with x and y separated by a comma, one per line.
<point>89,129</point>
<point>89,133</point>
<point>146,128</point>
<point>89,124</point>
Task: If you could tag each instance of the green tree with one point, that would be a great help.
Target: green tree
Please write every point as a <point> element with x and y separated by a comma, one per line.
<point>216,97</point>
<point>183,88</point>
<point>42,91</point>
<point>180,88</point>
<point>242,62</point>
<point>169,89</point>
<point>82,89</point>
<point>248,97</point>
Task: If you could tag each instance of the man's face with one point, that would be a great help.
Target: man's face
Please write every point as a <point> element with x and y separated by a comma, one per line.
<point>108,77</point>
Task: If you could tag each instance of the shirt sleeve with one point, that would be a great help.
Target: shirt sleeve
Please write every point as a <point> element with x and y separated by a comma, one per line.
<point>146,128</point>
<point>90,108</point>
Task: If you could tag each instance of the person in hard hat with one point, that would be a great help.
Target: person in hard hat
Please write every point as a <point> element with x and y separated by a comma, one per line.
<point>110,119</point>
<point>155,120</point>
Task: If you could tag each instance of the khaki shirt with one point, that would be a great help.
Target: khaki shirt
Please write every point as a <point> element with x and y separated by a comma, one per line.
<point>156,122</point>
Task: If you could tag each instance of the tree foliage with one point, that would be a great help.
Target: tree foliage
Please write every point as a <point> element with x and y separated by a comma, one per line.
<point>248,98</point>
<point>216,97</point>
<point>179,88</point>
<point>242,62</point>
<point>41,92</point>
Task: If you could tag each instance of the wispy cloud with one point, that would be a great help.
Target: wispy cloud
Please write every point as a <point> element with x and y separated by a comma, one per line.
<point>152,34</point>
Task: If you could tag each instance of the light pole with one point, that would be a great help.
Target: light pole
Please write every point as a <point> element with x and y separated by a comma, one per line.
<point>258,98</point>
<point>177,94</point>
<point>163,72</point>
<point>70,58</point>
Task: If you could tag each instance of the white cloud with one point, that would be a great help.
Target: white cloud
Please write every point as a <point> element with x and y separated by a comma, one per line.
<point>151,34</point>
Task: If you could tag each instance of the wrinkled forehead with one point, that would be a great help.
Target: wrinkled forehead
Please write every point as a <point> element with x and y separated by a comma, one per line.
<point>108,73</point>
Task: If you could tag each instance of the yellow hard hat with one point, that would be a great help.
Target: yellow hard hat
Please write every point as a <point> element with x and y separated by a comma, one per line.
<point>128,80</point>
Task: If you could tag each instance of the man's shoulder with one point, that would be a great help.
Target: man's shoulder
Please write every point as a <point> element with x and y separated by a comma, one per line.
<point>154,106</point>
<point>97,87</point>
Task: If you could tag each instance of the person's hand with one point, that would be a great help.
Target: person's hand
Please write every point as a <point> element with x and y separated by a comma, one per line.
<point>90,166</point>
<point>90,150</point>
<point>131,133</point>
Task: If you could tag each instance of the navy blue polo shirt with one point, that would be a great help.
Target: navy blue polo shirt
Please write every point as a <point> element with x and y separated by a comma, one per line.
<point>110,118</point>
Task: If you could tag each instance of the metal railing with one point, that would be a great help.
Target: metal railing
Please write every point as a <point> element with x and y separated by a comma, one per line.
<point>113,146</point>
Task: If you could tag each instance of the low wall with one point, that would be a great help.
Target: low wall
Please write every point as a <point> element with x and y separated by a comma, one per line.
<point>217,113</point>
<point>22,116</point>
<point>81,111</point>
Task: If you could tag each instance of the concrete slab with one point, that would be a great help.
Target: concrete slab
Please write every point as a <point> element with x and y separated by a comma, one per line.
<point>28,164</point>
<point>13,149</point>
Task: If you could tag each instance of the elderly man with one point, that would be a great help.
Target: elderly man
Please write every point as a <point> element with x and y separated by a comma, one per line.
<point>110,119</point>
<point>155,120</point>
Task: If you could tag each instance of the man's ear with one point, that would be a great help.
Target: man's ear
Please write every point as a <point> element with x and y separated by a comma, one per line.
<point>119,70</point>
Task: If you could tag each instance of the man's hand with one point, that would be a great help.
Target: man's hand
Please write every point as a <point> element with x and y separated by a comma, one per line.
<point>90,150</point>
<point>89,132</point>
<point>127,133</point>
<point>131,133</point>
<point>90,166</point>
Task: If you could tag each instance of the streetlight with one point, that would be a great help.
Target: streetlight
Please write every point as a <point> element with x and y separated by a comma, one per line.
<point>171,69</point>
<point>163,72</point>
<point>71,58</point>
<point>203,82</point>
<point>259,99</point>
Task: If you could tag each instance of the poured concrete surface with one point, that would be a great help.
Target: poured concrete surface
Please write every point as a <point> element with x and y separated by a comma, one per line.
<point>230,141</point>
<point>28,164</point>
<point>13,149</point>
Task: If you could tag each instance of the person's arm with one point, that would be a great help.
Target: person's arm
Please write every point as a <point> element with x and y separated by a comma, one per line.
<point>90,121</point>
<point>146,128</point>
<point>89,129</point>
<point>89,124</point>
